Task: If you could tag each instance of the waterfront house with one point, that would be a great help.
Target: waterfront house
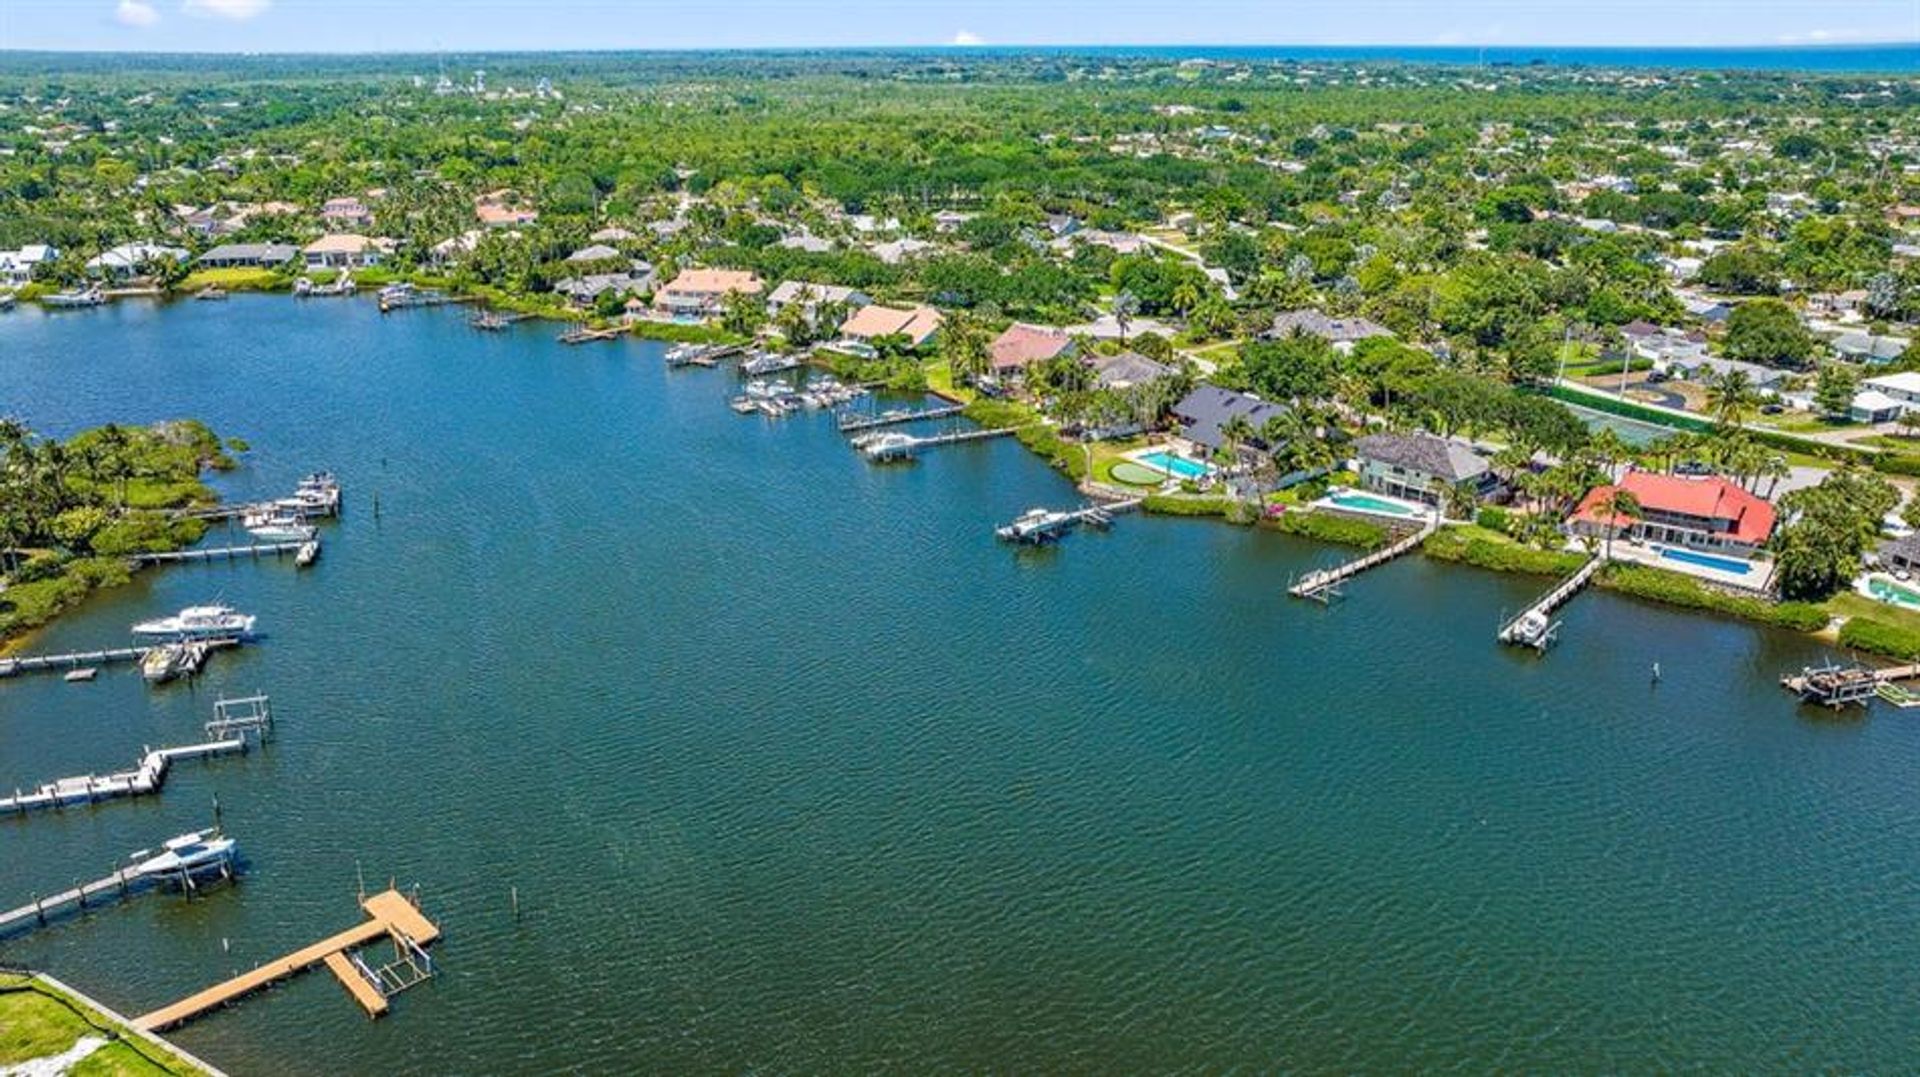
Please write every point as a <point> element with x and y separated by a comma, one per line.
<point>1901,554</point>
<point>346,250</point>
<point>1342,333</point>
<point>129,260</point>
<point>584,291</point>
<point>16,266</point>
<point>344,213</point>
<point>1421,467</point>
<point>1022,345</point>
<point>1703,513</point>
<point>702,293</point>
<point>1204,411</point>
<point>248,256</point>
<point>453,248</point>
<point>813,297</point>
<point>1126,370</point>
<point>918,325</point>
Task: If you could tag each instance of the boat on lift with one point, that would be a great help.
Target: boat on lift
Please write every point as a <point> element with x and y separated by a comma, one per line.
<point>190,854</point>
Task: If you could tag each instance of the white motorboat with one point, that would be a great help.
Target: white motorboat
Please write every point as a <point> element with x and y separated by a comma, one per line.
<point>890,446</point>
<point>170,660</point>
<point>281,527</point>
<point>75,297</point>
<point>199,622</point>
<point>1035,525</point>
<point>189,854</point>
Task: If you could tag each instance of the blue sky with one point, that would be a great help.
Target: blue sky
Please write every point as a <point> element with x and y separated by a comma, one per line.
<point>427,25</point>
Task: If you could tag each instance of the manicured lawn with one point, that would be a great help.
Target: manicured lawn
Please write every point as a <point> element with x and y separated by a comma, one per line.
<point>940,380</point>
<point>38,1022</point>
<point>1854,604</point>
<point>237,278</point>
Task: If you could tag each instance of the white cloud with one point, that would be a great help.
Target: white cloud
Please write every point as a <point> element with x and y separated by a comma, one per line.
<point>225,9</point>
<point>135,13</point>
<point>968,37</point>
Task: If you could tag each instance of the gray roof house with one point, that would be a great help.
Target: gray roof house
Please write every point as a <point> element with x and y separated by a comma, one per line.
<point>1420,467</point>
<point>1867,348</point>
<point>1126,370</point>
<point>582,291</point>
<point>263,255</point>
<point>1203,411</point>
<point>1330,329</point>
<point>599,252</point>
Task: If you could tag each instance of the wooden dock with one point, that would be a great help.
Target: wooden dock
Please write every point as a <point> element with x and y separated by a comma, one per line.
<point>1318,585</point>
<point>583,335</point>
<point>1532,628</point>
<point>853,424</point>
<point>220,553</point>
<point>390,915</point>
<point>1041,526</point>
<point>51,663</point>
<point>1839,686</point>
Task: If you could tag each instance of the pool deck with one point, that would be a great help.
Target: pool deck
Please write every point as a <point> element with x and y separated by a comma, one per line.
<point>1863,588</point>
<point>1755,580</point>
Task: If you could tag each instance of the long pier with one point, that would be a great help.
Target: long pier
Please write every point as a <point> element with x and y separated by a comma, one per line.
<point>390,915</point>
<point>47,663</point>
<point>123,883</point>
<point>147,778</point>
<point>228,553</point>
<point>903,446</point>
<point>850,424</point>
<point>582,335</point>
<point>1531,628</point>
<point>1317,584</point>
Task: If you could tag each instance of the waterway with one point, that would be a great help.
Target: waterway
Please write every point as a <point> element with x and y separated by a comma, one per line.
<point>795,769</point>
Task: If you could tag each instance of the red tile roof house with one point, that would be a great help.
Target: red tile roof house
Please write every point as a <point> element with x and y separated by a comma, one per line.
<point>1023,345</point>
<point>918,325</point>
<point>1700,513</point>
<point>702,293</point>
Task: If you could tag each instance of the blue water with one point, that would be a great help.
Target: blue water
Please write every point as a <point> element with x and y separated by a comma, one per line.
<point>1724,564</point>
<point>795,769</point>
<point>1175,465</point>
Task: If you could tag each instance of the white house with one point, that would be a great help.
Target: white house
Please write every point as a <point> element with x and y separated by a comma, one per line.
<point>345,250</point>
<point>128,259</point>
<point>16,267</point>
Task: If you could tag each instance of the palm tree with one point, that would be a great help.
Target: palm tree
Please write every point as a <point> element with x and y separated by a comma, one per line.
<point>1235,432</point>
<point>1619,504</point>
<point>1729,396</point>
<point>1125,306</point>
<point>1462,499</point>
<point>964,342</point>
<point>1608,449</point>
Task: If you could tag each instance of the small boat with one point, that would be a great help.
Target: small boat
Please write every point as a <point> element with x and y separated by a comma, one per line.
<point>744,405</point>
<point>768,363</point>
<point>1532,629</point>
<point>81,675</point>
<point>211,292</point>
<point>7,300</point>
<point>199,622</point>
<point>307,554</point>
<point>187,855</point>
<point>74,298</point>
<point>342,285</point>
<point>181,658</point>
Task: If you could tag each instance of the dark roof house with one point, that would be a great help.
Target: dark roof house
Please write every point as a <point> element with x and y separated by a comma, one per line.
<point>249,254</point>
<point>1326,327</point>
<point>1203,412</point>
<point>1424,455</point>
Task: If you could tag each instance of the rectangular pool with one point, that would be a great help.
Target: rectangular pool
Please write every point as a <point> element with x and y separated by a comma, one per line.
<point>1178,466</point>
<point>1892,593</point>
<point>1707,560</point>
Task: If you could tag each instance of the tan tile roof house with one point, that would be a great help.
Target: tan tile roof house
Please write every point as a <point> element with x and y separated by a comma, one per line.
<point>345,250</point>
<point>700,292</point>
<point>918,324</point>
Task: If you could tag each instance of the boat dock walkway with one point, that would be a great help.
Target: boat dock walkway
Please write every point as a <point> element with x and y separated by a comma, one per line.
<point>217,553</point>
<point>1320,585</point>
<point>905,446</point>
<point>148,777</point>
<point>1041,526</point>
<point>582,335</point>
<point>390,915</point>
<point>851,424</point>
<point>1837,686</point>
<point>1514,631</point>
<point>123,883</point>
<point>235,723</point>
<point>48,663</point>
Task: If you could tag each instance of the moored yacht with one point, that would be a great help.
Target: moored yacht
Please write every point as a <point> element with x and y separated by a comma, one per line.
<point>199,622</point>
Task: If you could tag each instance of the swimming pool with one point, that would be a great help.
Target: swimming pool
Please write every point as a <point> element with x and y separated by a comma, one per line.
<point>1893,593</point>
<point>1347,499</point>
<point>1707,560</point>
<point>1178,466</point>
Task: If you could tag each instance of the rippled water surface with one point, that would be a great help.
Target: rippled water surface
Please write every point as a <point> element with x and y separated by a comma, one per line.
<point>794,768</point>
